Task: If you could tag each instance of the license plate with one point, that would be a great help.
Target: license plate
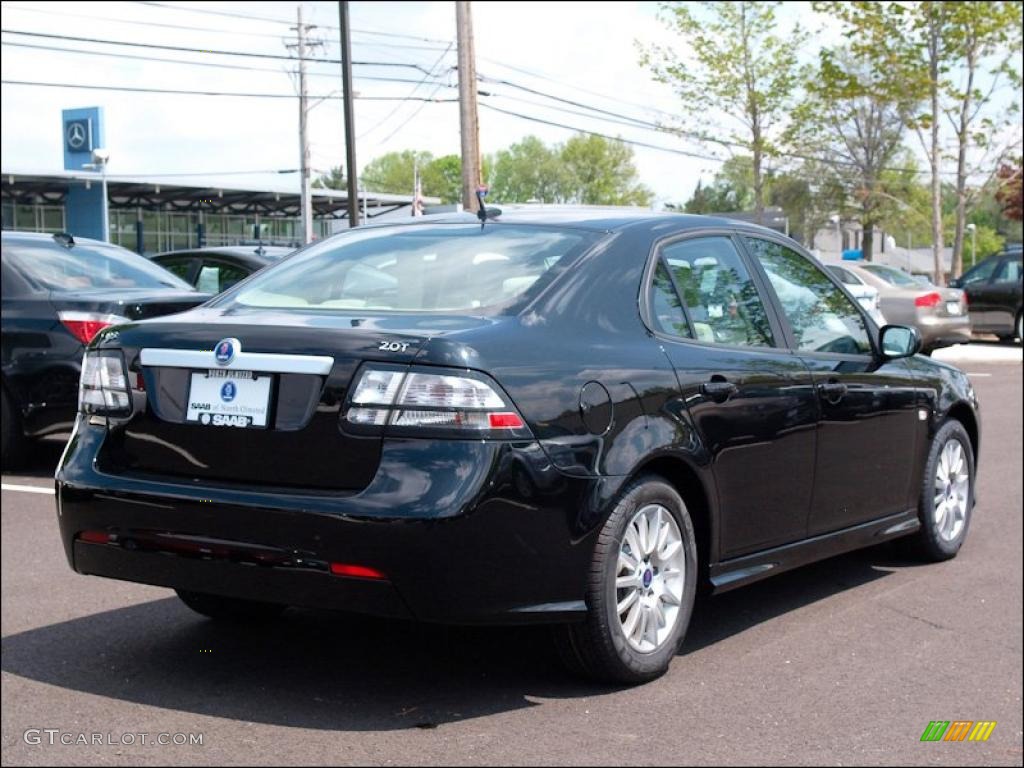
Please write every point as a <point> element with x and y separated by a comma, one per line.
<point>222,398</point>
<point>953,307</point>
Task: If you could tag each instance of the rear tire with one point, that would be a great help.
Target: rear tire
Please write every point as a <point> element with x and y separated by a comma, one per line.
<point>13,443</point>
<point>636,644</point>
<point>946,501</point>
<point>229,608</point>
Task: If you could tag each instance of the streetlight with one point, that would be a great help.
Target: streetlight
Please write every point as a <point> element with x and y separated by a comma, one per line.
<point>973,229</point>
<point>100,158</point>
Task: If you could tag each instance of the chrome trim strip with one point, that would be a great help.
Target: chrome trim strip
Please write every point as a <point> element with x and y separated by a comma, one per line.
<point>268,362</point>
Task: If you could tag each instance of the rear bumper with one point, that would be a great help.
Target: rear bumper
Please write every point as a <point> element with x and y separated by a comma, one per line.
<point>464,531</point>
<point>944,331</point>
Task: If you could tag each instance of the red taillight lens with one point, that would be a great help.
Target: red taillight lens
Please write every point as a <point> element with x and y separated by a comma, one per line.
<point>95,537</point>
<point>928,300</point>
<point>85,325</point>
<point>356,571</point>
<point>505,421</point>
<point>963,298</point>
<point>85,330</point>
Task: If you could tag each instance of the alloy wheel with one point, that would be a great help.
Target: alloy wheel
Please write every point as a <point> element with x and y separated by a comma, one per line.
<point>952,489</point>
<point>649,578</point>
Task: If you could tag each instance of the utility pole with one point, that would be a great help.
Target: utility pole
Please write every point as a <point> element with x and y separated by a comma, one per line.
<point>469,124</point>
<point>306,194</point>
<point>350,129</point>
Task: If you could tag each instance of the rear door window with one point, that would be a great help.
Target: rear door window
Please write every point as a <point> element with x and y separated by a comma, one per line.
<point>717,292</point>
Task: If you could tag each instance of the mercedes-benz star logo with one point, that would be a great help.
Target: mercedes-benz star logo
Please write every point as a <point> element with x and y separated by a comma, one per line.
<point>76,135</point>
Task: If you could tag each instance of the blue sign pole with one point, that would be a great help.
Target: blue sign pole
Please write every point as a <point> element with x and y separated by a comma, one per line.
<point>85,208</point>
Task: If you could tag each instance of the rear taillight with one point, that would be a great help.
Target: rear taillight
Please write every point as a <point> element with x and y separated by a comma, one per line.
<point>928,300</point>
<point>85,325</point>
<point>456,402</point>
<point>103,388</point>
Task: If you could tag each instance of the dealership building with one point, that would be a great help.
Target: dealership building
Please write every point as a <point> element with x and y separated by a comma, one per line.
<point>150,215</point>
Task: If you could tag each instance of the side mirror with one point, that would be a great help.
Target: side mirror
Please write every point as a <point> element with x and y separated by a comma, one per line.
<point>899,341</point>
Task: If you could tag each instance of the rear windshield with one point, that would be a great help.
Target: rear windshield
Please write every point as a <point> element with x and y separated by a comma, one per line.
<point>844,275</point>
<point>891,275</point>
<point>418,268</point>
<point>87,267</point>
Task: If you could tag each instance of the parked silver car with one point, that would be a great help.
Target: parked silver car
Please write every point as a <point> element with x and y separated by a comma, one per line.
<point>939,314</point>
<point>866,295</point>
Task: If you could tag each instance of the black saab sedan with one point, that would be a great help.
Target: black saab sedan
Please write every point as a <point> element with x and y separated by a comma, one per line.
<point>59,292</point>
<point>567,416</point>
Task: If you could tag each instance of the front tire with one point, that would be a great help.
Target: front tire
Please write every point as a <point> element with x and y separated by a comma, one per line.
<point>946,501</point>
<point>229,608</point>
<point>640,588</point>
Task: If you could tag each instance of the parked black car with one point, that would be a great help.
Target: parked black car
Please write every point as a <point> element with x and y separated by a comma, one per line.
<point>994,290</point>
<point>58,292</point>
<point>568,416</point>
<point>212,270</point>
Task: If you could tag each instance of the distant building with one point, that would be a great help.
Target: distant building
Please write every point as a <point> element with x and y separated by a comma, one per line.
<point>150,215</point>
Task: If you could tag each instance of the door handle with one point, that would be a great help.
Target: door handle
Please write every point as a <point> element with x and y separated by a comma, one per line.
<point>718,389</point>
<point>833,391</point>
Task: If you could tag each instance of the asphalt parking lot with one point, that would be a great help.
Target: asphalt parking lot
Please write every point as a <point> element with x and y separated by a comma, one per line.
<point>841,662</point>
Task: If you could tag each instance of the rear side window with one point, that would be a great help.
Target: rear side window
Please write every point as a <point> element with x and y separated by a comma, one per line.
<point>892,275</point>
<point>83,267</point>
<point>722,301</point>
<point>844,275</point>
<point>666,306</point>
<point>418,268</point>
<point>215,277</point>
<point>1009,272</point>
<point>823,319</point>
<point>177,267</point>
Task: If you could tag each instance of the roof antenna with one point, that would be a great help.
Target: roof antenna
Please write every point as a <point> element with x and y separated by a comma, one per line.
<point>481,193</point>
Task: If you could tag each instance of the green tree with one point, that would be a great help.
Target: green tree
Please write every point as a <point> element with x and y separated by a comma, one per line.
<point>600,171</point>
<point>528,170</point>
<point>854,119</point>
<point>394,172</point>
<point>732,189</point>
<point>442,177</point>
<point>808,195</point>
<point>979,31</point>
<point>333,179</point>
<point>733,62</point>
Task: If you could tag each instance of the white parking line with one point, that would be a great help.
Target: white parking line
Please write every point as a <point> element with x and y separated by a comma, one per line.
<point>25,488</point>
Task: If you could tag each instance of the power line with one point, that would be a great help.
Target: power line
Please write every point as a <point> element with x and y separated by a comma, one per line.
<point>215,30</point>
<point>413,91</point>
<point>602,135</point>
<point>275,20</point>
<point>216,65</point>
<point>183,92</point>
<point>183,49</point>
<point>136,22</point>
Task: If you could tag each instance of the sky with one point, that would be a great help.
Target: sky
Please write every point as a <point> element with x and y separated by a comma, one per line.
<point>582,52</point>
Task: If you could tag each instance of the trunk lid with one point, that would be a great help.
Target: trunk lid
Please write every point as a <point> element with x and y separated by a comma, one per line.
<point>302,445</point>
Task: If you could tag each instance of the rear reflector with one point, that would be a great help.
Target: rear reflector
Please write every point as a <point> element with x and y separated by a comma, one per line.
<point>356,571</point>
<point>95,537</point>
<point>927,300</point>
<point>505,421</point>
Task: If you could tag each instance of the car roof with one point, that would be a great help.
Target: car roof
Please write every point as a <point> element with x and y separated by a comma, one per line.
<point>268,251</point>
<point>594,217</point>
<point>41,237</point>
